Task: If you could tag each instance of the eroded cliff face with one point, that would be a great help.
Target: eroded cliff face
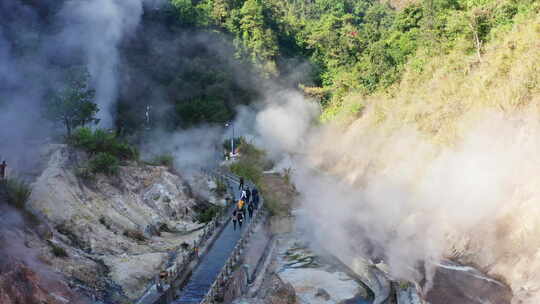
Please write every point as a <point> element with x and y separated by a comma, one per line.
<point>108,236</point>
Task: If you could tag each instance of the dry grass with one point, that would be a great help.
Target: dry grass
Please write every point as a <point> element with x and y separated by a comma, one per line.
<point>278,194</point>
<point>452,87</point>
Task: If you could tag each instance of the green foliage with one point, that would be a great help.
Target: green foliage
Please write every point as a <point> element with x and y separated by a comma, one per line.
<point>359,45</point>
<point>247,169</point>
<point>18,192</point>
<point>208,214</point>
<point>72,105</point>
<point>101,140</point>
<point>58,251</point>
<point>257,38</point>
<point>166,160</point>
<point>252,162</point>
<point>221,187</point>
<point>202,110</point>
<point>105,150</point>
<point>105,163</point>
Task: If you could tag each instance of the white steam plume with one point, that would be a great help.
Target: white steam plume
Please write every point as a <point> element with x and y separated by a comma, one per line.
<point>396,196</point>
<point>285,121</point>
<point>97,27</point>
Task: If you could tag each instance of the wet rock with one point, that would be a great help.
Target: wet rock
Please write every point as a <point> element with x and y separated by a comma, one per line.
<point>407,294</point>
<point>280,292</point>
<point>152,230</point>
<point>455,284</point>
<point>321,293</point>
<point>307,281</point>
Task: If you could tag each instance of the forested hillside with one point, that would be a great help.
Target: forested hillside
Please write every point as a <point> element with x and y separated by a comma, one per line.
<point>195,61</point>
<point>357,47</point>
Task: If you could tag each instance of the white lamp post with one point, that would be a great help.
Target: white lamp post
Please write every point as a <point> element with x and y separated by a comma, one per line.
<point>232,138</point>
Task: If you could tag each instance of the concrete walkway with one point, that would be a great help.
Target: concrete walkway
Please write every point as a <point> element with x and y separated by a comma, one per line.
<point>204,276</point>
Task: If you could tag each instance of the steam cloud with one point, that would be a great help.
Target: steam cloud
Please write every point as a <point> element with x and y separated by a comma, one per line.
<point>396,196</point>
<point>97,28</point>
<point>33,53</point>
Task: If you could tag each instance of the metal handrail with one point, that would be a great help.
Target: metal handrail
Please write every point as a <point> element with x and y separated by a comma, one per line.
<point>177,269</point>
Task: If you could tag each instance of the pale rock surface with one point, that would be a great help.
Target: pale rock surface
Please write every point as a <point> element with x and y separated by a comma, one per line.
<point>91,218</point>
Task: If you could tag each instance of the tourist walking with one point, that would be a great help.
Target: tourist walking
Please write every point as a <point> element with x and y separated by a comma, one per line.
<point>240,205</point>
<point>240,217</point>
<point>255,197</point>
<point>234,219</point>
<point>250,210</point>
<point>241,185</point>
<point>243,196</point>
<point>248,195</point>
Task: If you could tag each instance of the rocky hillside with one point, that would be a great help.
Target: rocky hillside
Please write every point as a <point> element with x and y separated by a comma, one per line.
<point>107,236</point>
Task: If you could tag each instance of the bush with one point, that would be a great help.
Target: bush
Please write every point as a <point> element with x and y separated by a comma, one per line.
<point>202,110</point>
<point>184,246</point>
<point>103,163</point>
<point>134,234</point>
<point>247,169</point>
<point>166,160</point>
<point>58,251</point>
<point>273,207</point>
<point>85,173</point>
<point>221,187</point>
<point>98,141</point>
<point>18,192</point>
<point>208,214</point>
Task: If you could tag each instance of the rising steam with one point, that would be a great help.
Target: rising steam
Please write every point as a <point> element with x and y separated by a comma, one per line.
<point>97,28</point>
<point>397,196</point>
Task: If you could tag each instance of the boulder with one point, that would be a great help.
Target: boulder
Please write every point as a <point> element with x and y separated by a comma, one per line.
<point>321,293</point>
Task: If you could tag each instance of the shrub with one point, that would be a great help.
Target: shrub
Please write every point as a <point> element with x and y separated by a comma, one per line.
<point>84,173</point>
<point>248,169</point>
<point>134,234</point>
<point>166,160</point>
<point>184,246</point>
<point>58,251</point>
<point>208,214</point>
<point>104,163</point>
<point>272,206</point>
<point>221,187</point>
<point>18,192</point>
<point>100,140</point>
<point>104,222</point>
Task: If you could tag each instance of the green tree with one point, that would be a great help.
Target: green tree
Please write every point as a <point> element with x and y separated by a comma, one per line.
<point>72,106</point>
<point>257,37</point>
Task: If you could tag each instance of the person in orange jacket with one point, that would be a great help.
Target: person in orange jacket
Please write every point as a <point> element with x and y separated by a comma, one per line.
<point>240,205</point>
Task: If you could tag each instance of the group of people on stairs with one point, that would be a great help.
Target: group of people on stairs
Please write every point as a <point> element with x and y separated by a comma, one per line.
<point>248,202</point>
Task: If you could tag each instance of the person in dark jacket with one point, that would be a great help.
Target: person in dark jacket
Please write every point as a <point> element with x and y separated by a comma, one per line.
<point>234,219</point>
<point>250,210</point>
<point>241,185</point>
<point>248,195</point>
<point>255,195</point>
<point>240,218</point>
